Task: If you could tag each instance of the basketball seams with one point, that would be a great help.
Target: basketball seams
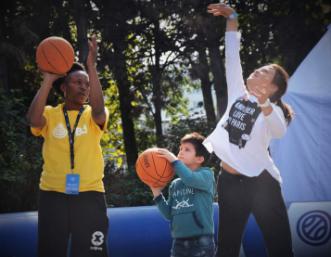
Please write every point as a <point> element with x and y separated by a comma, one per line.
<point>146,172</point>
<point>164,169</point>
<point>55,55</point>
<point>150,181</point>
<point>60,53</point>
<point>43,52</point>
<point>151,174</point>
<point>155,167</point>
<point>171,174</point>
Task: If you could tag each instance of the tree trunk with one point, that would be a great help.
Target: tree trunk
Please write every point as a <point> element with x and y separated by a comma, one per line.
<point>203,73</point>
<point>218,71</point>
<point>156,81</point>
<point>123,84</point>
<point>115,31</point>
<point>4,74</point>
<point>79,15</point>
<point>157,105</point>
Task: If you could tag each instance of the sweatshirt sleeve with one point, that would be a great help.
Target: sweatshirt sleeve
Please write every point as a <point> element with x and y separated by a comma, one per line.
<point>276,122</point>
<point>233,69</point>
<point>202,180</point>
<point>164,205</point>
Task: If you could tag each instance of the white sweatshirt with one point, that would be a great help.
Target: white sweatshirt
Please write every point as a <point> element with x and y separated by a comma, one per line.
<point>242,136</point>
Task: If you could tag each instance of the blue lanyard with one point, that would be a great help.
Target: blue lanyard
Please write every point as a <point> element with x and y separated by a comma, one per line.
<point>71,134</point>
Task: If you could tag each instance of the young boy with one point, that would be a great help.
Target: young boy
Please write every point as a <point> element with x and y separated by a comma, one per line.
<point>190,203</point>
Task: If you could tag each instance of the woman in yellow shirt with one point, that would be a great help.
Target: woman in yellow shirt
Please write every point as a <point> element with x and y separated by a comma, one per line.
<point>72,202</point>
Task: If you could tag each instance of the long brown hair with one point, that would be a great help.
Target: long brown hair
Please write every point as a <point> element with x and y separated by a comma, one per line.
<point>280,80</point>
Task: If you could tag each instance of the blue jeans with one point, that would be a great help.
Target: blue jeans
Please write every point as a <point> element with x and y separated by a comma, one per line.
<point>202,246</point>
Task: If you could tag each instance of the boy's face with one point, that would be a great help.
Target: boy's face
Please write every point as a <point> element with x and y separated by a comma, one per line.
<point>187,154</point>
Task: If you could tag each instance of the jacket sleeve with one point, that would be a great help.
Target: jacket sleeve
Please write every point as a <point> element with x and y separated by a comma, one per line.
<point>164,205</point>
<point>233,69</point>
<point>276,122</point>
<point>202,180</point>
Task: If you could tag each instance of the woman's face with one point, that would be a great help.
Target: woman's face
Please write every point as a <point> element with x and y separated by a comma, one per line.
<point>261,79</point>
<point>77,87</point>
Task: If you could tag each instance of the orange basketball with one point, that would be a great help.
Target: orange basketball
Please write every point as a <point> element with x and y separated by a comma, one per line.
<point>153,170</point>
<point>55,55</point>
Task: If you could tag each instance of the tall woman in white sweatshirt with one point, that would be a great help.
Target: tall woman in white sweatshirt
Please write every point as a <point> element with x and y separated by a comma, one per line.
<point>249,181</point>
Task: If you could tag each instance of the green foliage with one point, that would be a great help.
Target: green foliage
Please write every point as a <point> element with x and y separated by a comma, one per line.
<point>160,40</point>
<point>126,190</point>
<point>20,166</point>
<point>176,131</point>
<point>112,141</point>
<point>282,28</point>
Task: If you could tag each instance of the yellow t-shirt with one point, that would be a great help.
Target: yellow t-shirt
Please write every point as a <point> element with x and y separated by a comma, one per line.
<point>89,162</point>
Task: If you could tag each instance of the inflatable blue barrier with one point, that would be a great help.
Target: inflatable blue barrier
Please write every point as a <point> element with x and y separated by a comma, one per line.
<point>143,232</point>
<point>18,234</point>
<point>253,242</point>
<point>138,231</point>
<point>133,232</point>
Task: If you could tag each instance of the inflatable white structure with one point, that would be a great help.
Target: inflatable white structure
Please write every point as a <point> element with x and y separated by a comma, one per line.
<point>304,154</point>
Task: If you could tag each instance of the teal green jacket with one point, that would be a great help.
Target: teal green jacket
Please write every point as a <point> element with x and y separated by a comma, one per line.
<point>190,203</point>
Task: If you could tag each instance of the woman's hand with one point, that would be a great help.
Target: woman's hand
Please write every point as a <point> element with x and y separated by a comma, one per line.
<point>220,10</point>
<point>49,78</point>
<point>92,51</point>
<point>164,153</point>
<point>261,93</point>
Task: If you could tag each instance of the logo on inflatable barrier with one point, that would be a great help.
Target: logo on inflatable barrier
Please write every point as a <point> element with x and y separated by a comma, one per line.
<point>314,227</point>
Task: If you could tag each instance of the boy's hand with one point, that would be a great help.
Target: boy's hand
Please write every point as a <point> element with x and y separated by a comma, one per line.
<point>156,191</point>
<point>164,153</point>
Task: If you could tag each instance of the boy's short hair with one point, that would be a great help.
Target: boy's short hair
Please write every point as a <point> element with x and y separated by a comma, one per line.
<point>196,140</point>
<point>57,83</point>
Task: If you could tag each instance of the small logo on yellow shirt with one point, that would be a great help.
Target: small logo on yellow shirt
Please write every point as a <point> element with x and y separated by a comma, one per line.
<point>81,131</point>
<point>60,131</point>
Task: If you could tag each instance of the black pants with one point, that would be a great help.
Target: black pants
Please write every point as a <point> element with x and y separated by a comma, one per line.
<point>81,218</point>
<point>239,196</point>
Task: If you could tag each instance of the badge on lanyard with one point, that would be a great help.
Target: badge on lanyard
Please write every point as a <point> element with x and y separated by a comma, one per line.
<point>72,184</point>
<point>72,180</point>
